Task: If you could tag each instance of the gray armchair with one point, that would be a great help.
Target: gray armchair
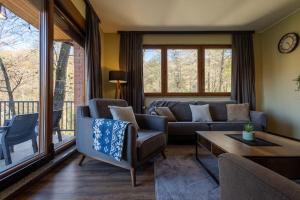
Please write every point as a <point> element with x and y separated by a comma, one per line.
<point>151,139</point>
<point>241,178</point>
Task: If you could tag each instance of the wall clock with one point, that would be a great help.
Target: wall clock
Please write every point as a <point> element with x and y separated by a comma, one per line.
<point>288,43</point>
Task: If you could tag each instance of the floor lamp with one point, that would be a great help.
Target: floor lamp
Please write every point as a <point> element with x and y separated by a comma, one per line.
<point>119,78</point>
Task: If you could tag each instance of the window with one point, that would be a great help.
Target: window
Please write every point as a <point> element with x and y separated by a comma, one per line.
<point>182,70</point>
<point>217,70</point>
<point>187,70</point>
<point>152,70</point>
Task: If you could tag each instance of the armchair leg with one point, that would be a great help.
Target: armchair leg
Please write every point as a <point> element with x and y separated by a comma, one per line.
<point>163,154</point>
<point>81,160</point>
<point>133,177</point>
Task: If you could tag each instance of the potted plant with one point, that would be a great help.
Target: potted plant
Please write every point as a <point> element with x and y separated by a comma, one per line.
<point>248,133</point>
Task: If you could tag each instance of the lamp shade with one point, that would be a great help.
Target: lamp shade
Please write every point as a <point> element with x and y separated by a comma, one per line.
<point>115,76</point>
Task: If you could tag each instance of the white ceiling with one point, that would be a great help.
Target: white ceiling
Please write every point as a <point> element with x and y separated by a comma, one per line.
<point>191,14</point>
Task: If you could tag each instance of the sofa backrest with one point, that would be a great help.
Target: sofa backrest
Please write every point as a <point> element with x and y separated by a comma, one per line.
<point>99,107</point>
<point>217,109</point>
<point>182,111</point>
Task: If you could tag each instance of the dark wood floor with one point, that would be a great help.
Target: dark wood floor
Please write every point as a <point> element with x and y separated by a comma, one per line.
<point>94,180</point>
<point>98,180</point>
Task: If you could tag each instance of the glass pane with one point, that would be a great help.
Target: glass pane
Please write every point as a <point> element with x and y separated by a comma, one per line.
<point>218,70</point>
<point>63,99</point>
<point>19,82</point>
<point>152,70</point>
<point>68,91</point>
<point>182,70</point>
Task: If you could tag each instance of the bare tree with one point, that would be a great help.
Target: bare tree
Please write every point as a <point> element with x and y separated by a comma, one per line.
<point>14,32</point>
<point>60,76</point>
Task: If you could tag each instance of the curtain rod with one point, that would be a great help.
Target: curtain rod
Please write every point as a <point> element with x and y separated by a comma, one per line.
<point>188,32</point>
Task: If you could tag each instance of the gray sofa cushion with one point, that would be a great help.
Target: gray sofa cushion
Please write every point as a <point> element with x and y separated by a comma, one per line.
<point>99,107</point>
<point>217,109</point>
<point>231,126</point>
<point>148,142</point>
<point>186,128</point>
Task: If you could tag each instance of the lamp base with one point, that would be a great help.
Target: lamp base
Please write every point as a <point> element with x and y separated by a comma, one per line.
<point>118,92</point>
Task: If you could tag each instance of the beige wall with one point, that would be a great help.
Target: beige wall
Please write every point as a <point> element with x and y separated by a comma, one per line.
<point>278,97</point>
<point>110,61</point>
<point>187,39</point>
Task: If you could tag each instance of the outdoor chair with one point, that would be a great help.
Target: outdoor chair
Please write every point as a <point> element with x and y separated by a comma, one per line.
<point>20,129</point>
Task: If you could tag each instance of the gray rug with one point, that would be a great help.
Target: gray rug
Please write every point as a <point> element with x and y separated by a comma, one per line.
<point>183,178</point>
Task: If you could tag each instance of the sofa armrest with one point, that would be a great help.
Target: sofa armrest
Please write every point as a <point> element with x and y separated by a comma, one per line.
<point>259,118</point>
<point>84,142</point>
<point>152,122</point>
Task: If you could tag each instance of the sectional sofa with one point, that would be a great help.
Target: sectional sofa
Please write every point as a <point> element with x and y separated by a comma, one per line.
<point>184,128</point>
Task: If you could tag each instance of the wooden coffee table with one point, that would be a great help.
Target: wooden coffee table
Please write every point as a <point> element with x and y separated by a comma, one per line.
<point>283,159</point>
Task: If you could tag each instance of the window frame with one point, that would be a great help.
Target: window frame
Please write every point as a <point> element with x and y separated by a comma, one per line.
<point>200,67</point>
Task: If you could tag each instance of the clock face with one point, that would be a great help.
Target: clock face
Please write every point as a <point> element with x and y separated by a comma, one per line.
<point>288,43</point>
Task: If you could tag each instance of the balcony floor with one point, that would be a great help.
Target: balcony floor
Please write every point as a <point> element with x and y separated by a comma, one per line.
<point>24,151</point>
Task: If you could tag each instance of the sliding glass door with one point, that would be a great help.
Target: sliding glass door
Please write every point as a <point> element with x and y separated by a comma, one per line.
<point>42,80</point>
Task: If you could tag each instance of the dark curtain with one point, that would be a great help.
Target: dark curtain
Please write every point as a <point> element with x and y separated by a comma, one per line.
<point>93,54</point>
<point>243,69</point>
<point>131,61</point>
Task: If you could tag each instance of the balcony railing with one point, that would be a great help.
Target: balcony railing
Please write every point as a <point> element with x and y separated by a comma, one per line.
<point>27,107</point>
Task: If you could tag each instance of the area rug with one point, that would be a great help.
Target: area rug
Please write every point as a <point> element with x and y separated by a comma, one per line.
<point>181,177</point>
